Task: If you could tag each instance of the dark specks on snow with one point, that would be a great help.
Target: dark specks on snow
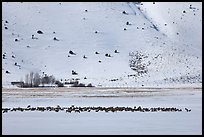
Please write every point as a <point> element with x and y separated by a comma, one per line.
<point>85,57</point>
<point>33,37</point>
<point>116,51</point>
<point>74,72</point>
<point>128,23</point>
<point>8,72</point>
<point>107,55</point>
<point>95,52</point>
<point>55,39</point>
<point>4,56</point>
<point>124,12</point>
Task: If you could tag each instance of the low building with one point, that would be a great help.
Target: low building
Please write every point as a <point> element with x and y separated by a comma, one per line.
<point>18,83</point>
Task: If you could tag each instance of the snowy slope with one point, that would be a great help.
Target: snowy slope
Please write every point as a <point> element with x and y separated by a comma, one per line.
<point>171,53</point>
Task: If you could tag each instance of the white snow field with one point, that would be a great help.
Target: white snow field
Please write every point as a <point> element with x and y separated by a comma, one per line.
<point>103,123</point>
<point>166,37</point>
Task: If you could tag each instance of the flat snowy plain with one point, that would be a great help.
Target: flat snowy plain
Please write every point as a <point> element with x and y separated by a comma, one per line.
<point>103,123</point>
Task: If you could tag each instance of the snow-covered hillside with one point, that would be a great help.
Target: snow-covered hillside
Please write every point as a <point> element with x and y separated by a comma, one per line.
<point>163,40</point>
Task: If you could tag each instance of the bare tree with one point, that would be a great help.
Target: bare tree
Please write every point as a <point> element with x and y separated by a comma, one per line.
<point>52,79</point>
<point>36,80</point>
<point>31,78</point>
<point>26,80</point>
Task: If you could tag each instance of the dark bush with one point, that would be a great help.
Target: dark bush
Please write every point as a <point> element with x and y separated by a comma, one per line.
<point>39,32</point>
<point>71,52</point>
<point>124,12</point>
<point>55,39</point>
<point>90,85</point>
<point>74,72</point>
<point>77,84</point>
<point>7,72</point>
<point>59,84</point>
<point>81,85</point>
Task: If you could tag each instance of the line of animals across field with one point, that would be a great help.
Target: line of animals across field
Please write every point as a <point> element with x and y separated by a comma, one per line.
<point>95,109</point>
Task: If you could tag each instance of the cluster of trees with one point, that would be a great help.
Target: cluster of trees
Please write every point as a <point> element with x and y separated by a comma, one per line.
<point>34,80</point>
<point>137,63</point>
<point>77,84</point>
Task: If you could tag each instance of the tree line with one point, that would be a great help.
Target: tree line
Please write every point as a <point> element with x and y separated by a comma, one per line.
<point>34,80</point>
